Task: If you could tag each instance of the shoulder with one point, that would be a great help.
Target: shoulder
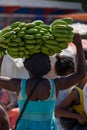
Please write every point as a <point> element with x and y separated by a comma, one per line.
<point>76,89</point>
<point>75,92</point>
<point>59,82</point>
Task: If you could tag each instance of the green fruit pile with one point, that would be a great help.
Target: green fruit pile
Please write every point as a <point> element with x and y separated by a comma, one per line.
<point>22,39</point>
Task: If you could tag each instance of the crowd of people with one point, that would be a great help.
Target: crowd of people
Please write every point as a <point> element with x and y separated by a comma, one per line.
<point>34,97</point>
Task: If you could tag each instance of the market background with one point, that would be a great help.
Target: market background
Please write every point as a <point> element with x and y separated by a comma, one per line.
<point>46,10</point>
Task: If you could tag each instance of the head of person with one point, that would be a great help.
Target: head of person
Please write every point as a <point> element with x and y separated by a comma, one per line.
<point>38,64</point>
<point>64,65</point>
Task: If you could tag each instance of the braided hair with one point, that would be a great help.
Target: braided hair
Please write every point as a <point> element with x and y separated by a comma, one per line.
<point>63,64</point>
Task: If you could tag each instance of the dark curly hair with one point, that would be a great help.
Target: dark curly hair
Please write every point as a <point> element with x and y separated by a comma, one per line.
<point>63,64</point>
<point>38,64</point>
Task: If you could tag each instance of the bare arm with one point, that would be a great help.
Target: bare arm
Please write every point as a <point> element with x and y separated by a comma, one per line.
<point>61,110</point>
<point>4,120</point>
<point>10,84</point>
<point>70,80</point>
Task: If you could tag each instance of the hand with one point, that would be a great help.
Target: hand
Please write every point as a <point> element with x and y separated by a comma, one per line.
<point>77,39</point>
<point>82,120</point>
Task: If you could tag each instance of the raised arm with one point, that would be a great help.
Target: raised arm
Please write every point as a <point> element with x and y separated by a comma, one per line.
<point>70,80</point>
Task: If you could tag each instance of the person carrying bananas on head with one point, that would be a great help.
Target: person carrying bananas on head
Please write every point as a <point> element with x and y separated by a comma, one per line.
<point>38,112</point>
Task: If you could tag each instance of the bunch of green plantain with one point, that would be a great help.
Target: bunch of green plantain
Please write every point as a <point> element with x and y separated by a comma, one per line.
<point>62,32</point>
<point>22,39</point>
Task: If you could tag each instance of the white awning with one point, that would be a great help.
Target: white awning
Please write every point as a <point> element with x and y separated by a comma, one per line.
<point>41,4</point>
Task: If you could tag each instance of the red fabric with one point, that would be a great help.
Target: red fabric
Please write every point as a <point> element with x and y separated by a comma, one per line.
<point>76,16</point>
<point>10,9</point>
<point>13,115</point>
<point>4,97</point>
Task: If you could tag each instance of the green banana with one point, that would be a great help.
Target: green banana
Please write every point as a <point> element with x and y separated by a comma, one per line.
<point>51,37</point>
<point>60,31</point>
<point>12,36</point>
<point>41,32</point>
<point>63,45</point>
<point>47,27</point>
<point>22,39</point>
<point>8,40</point>
<point>14,49</point>
<point>20,34</point>
<point>21,54</point>
<point>32,31</point>
<point>13,54</point>
<point>39,41</point>
<point>58,22</point>
<point>6,35</point>
<point>27,52</point>
<point>44,29</point>
<point>13,44</point>
<point>17,39</point>
<point>37,35</point>
<point>54,48</point>
<point>27,36</point>
<point>61,35</point>
<point>68,20</point>
<point>30,46</point>
<point>38,22</point>
<point>23,29</point>
<point>69,28</point>
<point>21,44</point>
<point>51,42</point>
<point>21,48</point>
<point>22,24</point>
<point>27,56</point>
<point>64,40</point>
<point>30,41</point>
<point>47,51</point>
<point>59,27</point>
<point>15,24</point>
<point>30,25</point>
<point>17,29</point>
<point>5,30</point>
<point>45,37</point>
<point>37,27</point>
<point>2,53</point>
<point>2,39</point>
<point>3,45</point>
<point>37,47</point>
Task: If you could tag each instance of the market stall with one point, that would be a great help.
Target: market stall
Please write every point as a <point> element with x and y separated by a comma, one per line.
<point>28,10</point>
